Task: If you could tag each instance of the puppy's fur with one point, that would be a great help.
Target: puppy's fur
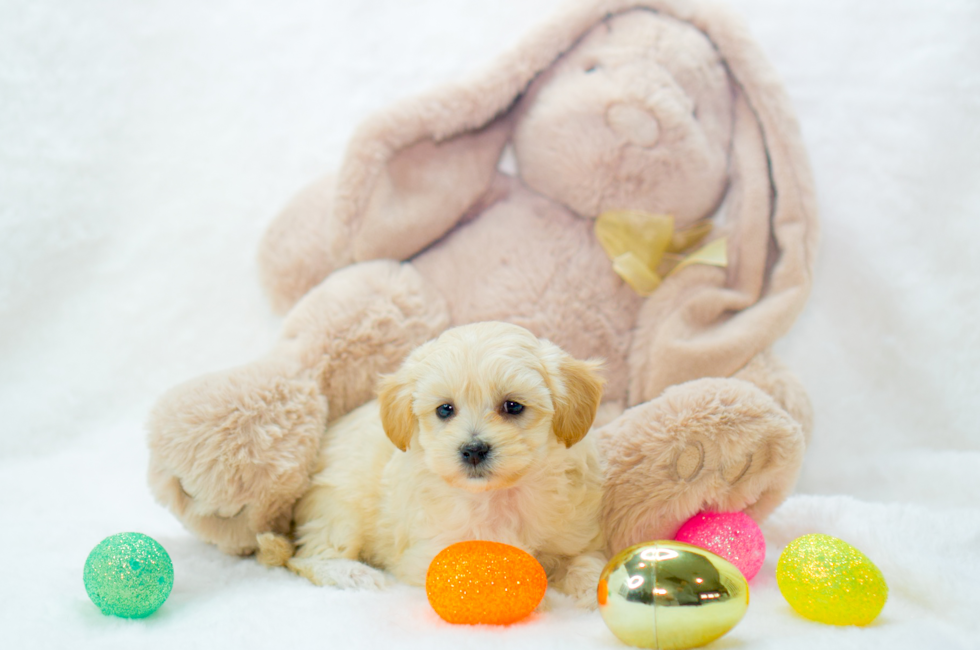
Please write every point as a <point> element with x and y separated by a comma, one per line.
<point>463,466</point>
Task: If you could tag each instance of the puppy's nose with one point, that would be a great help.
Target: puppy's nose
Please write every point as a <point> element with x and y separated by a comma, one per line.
<point>475,452</point>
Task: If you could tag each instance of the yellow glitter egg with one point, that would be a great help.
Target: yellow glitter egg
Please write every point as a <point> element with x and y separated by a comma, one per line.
<point>827,580</point>
<point>671,596</point>
<point>484,582</point>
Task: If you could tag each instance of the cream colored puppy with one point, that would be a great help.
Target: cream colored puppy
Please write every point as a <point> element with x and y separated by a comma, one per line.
<point>479,435</point>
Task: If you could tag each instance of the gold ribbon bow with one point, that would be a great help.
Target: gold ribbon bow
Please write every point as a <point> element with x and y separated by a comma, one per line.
<point>644,248</point>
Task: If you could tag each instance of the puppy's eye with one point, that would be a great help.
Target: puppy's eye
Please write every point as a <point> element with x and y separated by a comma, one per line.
<point>445,411</point>
<point>513,408</point>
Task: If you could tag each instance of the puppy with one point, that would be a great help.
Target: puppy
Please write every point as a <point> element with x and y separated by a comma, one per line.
<point>479,435</point>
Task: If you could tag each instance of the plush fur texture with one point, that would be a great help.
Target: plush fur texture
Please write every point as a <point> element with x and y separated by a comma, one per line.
<point>655,105</point>
<point>393,488</point>
<point>708,444</point>
<point>233,451</point>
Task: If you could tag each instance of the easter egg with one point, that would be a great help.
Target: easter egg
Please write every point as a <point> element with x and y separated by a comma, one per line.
<point>128,575</point>
<point>827,580</point>
<point>732,535</point>
<point>484,582</point>
<point>670,596</point>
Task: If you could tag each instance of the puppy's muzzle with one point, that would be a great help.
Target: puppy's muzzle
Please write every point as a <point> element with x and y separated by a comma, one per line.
<point>474,454</point>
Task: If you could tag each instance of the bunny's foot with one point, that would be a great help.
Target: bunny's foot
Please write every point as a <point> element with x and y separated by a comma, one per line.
<point>710,444</point>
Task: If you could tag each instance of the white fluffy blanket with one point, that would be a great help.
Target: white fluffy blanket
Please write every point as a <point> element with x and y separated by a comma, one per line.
<point>145,145</point>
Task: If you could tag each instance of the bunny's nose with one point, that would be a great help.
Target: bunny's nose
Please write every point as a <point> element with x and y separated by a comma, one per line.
<point>634,123</point>
<point>474,453</point>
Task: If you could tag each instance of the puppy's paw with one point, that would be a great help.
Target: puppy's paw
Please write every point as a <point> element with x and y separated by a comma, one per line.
<point>547,603</point>
<point>581,579</point>
<point>274,550</point>
<point>345,574</point>
<point>587,600</point>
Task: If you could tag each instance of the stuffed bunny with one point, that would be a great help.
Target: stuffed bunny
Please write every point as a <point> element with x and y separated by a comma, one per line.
<point>478,202</point>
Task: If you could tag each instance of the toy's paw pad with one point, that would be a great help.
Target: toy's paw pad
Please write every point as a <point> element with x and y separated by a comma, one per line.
<point>733,472</point>
<point>690,461</point>
<point>345,574</point>
<point>703,458</point>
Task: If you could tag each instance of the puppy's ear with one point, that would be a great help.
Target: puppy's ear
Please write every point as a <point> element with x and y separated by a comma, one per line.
<point>395,401</point>
<point>576,398</point>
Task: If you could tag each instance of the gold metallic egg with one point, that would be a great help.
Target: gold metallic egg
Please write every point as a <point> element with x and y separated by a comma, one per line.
<point>671,595</point>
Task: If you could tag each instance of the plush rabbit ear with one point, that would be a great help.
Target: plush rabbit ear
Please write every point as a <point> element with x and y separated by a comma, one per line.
<point>410,173</point>
<point>709,322</point>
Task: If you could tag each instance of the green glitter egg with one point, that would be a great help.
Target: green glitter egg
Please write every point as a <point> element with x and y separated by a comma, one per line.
<point>827,580</point>
<point>128,575</point>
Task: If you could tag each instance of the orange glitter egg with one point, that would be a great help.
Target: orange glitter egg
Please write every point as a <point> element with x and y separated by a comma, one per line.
<point>484,582</point>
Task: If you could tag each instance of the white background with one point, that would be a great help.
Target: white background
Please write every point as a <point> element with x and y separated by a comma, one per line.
<point>144,146</point>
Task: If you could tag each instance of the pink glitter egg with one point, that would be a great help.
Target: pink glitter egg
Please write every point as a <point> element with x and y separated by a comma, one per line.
<point>732,535</point>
